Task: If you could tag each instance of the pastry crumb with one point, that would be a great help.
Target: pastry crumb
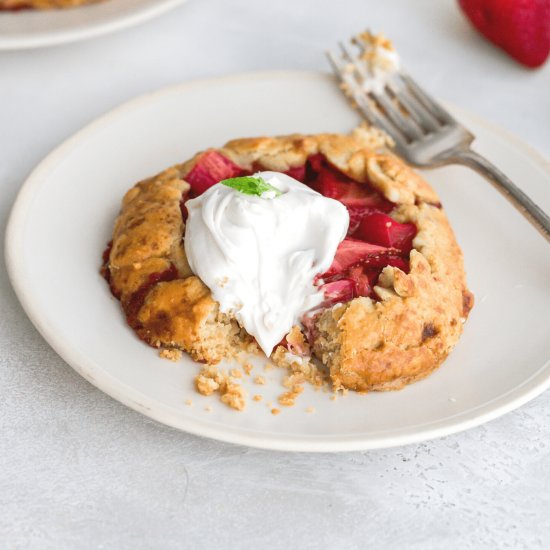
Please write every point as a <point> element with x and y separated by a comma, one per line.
<point>275,411</point>
<point>208,409</point>
<point>188,402</point>
<point>247,367</point>
<point>236,373</point>
<point>293,379</point>
<point>211,380</point>
<point>288,399</point>
<point>172,354</point>
<point>257,397</point>
<point>259,380</point>
<point>234,396</point>
<point>299,365</point>
<point>310,410</point>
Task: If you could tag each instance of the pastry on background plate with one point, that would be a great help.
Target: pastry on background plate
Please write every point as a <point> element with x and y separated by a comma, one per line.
<point>43,4</point>
<point>309,248</point>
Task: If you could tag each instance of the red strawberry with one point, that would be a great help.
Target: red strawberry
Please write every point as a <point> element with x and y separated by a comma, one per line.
<point>519,27</point>
<point>340,291</point>
<point>351,252</point>
<point>210,169</point>
<point>378,228</point>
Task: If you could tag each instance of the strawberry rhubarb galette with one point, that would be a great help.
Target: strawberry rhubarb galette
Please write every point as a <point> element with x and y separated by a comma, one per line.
<point>42,4</point>
<point>322,249</point>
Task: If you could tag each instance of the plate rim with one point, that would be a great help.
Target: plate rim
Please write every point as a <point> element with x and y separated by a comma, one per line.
<point>530,388</point>
<point>44,39</point>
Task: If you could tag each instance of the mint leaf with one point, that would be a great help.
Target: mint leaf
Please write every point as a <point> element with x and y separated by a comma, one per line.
<point>251,185</point>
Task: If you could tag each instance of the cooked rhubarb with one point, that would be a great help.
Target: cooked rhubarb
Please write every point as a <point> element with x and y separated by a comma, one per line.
<point>211,168</point>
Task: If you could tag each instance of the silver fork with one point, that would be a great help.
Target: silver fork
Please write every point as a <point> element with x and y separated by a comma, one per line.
<point>425,134</point>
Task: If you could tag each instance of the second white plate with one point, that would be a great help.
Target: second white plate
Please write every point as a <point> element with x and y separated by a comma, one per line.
<point>34,29</point>
<point>64,215</point>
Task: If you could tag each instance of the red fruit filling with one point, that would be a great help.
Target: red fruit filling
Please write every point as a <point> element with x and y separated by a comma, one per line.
<point>360,263</point>
<point>358,198</point>
<point>375,240</point>
<point>379,228</point>
<point>211,168</point>
<point>340,290</point>
<point>298,173</point>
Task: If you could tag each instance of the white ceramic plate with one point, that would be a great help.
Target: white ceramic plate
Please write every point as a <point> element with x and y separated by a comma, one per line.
<point>33,29</point>
<point>64,215</point>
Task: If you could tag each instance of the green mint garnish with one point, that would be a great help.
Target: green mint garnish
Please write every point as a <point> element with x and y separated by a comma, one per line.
<point>251,185</point>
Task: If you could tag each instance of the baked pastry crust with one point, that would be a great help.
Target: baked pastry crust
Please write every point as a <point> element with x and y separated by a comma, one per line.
<point>43,4</point>
<point>367,344</point>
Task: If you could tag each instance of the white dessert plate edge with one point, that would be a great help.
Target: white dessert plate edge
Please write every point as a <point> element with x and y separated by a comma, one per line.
<point>524,392</point>
<point>99,19</point>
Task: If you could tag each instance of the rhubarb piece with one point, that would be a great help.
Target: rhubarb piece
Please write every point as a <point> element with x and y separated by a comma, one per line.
<point>379,228</point>
<point>297,172</point>
<point>358,198</point>
<point>357,266</point>
<point>340,291</point>
<point>351,252</point>
<point>211,168</point>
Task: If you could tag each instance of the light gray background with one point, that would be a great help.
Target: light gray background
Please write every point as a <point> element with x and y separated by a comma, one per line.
<point>79,470</point>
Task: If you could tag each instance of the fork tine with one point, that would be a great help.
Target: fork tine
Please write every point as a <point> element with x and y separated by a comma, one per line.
<point>342,71</point>
<point>335,63</point>
<point>353,90</point>
<point>372,115</point>
<point>358,65</point>
<point>432,106</point>
<point>398,119</point>
<point>424,118</point>
<point>421,118</point>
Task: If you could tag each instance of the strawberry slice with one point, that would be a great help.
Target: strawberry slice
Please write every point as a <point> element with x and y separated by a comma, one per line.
<point>298,173</point>
<point>211,168</point>
<point>352,251</point>
<point>379,228</point>
<point>361,263</point>
<point>359,207</point>
<point>520,27</point>
<point>315,164</point>
<point>333,184</point>
<point>340,291</point>
<point>358,198</point>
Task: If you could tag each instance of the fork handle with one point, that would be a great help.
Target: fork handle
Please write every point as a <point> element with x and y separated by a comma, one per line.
<point>502,183</point>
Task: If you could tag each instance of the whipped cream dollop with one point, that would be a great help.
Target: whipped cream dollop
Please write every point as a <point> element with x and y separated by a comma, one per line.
<point>259,255</point>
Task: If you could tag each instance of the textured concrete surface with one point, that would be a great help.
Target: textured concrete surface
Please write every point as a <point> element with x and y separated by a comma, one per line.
<point>79,470</point>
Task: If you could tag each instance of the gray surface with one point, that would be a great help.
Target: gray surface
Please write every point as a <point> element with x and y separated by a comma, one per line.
<point>79,470</point>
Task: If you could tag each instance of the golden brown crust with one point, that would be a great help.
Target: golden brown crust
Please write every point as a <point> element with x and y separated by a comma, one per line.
<point>43,4</point>
<point>368,345</point>
<point>148,231</point>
